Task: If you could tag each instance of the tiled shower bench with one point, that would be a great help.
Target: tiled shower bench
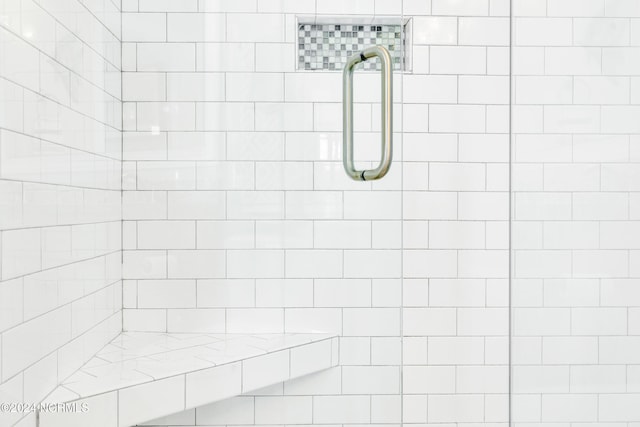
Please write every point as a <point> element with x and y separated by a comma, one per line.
<point>141,376</point>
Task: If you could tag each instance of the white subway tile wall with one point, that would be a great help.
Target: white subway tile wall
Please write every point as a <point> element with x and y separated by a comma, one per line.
<point>164,166</point>
<point>455,215</point>
<point>60,199</point>
<point>238,216</point>
<point>575,276</point>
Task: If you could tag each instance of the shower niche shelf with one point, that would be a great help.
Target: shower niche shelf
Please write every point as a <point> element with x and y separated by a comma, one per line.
<point>141,376</point>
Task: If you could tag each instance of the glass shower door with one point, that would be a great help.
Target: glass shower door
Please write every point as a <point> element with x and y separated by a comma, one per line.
<point>320,251</point>
<point>575,347</point>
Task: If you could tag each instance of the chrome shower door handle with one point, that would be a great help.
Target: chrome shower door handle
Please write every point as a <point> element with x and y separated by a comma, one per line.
<point>386,111</point>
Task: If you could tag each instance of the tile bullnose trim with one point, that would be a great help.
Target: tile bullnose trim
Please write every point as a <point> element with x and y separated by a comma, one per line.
<point>142,376</point>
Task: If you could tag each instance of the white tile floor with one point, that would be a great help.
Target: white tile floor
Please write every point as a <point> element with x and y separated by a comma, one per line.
<point>193,368</point>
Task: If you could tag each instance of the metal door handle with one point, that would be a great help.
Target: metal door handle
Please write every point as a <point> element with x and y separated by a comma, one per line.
<point>386,111</point>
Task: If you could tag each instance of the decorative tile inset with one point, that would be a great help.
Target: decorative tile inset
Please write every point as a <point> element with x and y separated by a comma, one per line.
<point>328,46</point>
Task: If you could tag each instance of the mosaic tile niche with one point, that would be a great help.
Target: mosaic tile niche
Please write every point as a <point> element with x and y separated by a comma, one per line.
<point>328,46</point>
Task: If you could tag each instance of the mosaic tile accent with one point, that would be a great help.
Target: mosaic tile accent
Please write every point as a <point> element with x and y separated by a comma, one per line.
<point>328,46</point>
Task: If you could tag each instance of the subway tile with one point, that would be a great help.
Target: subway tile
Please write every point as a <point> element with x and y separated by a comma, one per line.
<point>193,320</point>
<point>429,379</point>
<point>284,293</point>
<point>144,264</point>
<point>255,205</point>
<point>544,90</point>
<point>165,116</point>
<point>248,27</point>
<point>164,57</point>
<point>543,264</point>
<point>196,205</point>
<point>364,205</point>
<point>144,86</point>
<point>225,175</point>
<point>314,205</point>
<point>315,87</point>
<point>167,6</point>
<point>284,176</point>
<point>235,410</point>
<point>429,321</point>
<point>218,116</point>
<point>192,27</point>
<point>482,322</point>
<point>195,264</point>
<point>570,350</point>
<point>614,119</point>
<point>371,322</point>
<point>429,89</point>
<point>570,235</point>
<point>618,292</point>
<point>313,263</point>
<point>600,32</point>
<point>457,118</point>
<point>229,57</point>
<point>284,117</point>
<point>221,293</point>
<point>575,61</point>
<point>167,392</point>
<point>435,30</point>
<point>616,407</point>
<point>254,87</point>
<point>255,263</point>
<point>20,61</point>
<point>619,350</point>
<point>560,408</point>
<point>20,252</point>
<point>483,31</point>
<point>144,27</point>
<point>201,86</point>
<point>460,8</point>
<point>284,234</point>
<point>227,6</point>
<point>12,303</point>
<point>255,146</point>
<point>372,263</point>
<point>371,380</point>
<point>260,372</point>
<point>275,57</point>
<point>144,146</point>
<point>482,379</point>
<point>541,379</point>
<point>166,234</point>
<point>313,319</point>
<point>576,8</point>
<point>483,90</point>
<point>341,409</point>
<point>338,7</point>
<point>215,383</point>
<point>342,293</point>
<point>166,293</point>
<point>600,263</point>
<point>457,60</point>
<point>621,8</point>
<point>225,234</point>
<point>166,175</point>
<point>287,6</point>
<point>49,332</point>
<point>571,119</point>
<point>456,350</point>
<point>196,145</point>
<point>289,409</point>
<point>543,31</point>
